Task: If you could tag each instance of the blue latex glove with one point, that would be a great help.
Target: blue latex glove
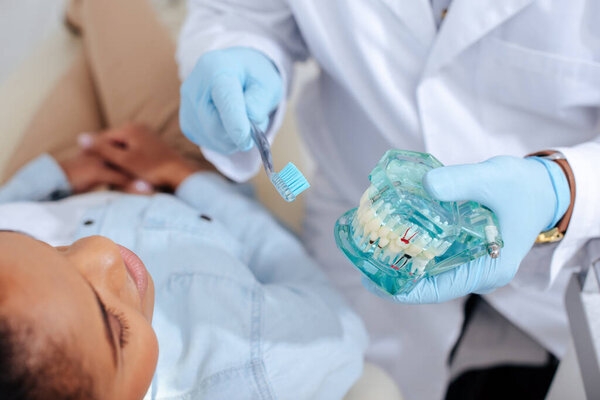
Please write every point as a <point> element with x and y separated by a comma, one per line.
<point>226,89</point>
<point>528,197</point>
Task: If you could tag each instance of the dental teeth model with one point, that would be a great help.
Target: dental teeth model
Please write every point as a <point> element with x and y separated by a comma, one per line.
<point>399,234</point>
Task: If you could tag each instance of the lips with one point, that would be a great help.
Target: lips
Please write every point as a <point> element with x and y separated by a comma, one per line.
<point>136,269</point>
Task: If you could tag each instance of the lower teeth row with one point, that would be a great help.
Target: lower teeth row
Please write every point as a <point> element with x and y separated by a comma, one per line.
<point>392,239</point>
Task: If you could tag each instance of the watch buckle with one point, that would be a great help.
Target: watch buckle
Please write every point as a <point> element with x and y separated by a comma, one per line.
<point>551,236</point>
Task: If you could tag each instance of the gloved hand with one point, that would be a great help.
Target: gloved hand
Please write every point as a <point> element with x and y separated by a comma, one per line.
<point>528,196</point>
<point>226,89</point>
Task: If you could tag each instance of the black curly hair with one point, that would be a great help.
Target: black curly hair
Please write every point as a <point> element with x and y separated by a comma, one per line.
<point>33,366</point>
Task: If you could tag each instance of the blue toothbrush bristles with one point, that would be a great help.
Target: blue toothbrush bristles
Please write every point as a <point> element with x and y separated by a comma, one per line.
<point>290,182</point>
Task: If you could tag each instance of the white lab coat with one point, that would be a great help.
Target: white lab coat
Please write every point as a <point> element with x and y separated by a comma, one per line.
<point>499,77</point>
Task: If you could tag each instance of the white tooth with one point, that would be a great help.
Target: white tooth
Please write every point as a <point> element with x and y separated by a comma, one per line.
<point>418,244</point>
<point>392,223</point>
<point>377,205</point>
<point>364,207</point>
<point>406,233</point>
<point>421,241</point>
<point>381,212</point>
<point>401,245</point>
<point>419,265</point>
<point>413,250</point>
<point>367,215</point>
<point>373,225</point>
<point>427,254</point>
<point>365,197</point>
<point>363,218</point>
<point>393,248</point>
<point>360,212</point>
<point>384,231</point>
<point>383,242</point>
<point>373,236</point>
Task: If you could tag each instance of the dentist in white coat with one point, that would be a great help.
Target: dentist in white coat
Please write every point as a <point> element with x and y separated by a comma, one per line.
<point>485,78</point>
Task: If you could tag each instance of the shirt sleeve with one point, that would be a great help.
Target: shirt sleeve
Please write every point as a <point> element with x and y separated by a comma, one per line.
<point>291,285</point>
<point>41,179</point>
<point>264,25</point>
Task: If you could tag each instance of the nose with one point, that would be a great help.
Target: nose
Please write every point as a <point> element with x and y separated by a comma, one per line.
<point>99,261</point>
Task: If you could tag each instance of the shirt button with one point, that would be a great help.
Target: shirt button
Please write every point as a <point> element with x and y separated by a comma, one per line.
<point>206,217</point>
<point>88,222</point>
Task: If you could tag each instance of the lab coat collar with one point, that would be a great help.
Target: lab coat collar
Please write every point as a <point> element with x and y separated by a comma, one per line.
<point>467,22</point>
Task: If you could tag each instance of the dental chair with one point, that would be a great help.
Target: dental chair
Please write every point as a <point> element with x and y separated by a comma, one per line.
<point>24,90</point>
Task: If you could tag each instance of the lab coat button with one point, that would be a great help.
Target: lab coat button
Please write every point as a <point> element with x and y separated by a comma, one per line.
<point>205,217</point>
<point>88,222</point>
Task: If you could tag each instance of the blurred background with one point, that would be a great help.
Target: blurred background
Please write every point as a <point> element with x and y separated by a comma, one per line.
<point>35,49</point>
<point>23,25</point>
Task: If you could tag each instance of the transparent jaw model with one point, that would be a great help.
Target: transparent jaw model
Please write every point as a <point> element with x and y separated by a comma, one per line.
<point>399,234</point>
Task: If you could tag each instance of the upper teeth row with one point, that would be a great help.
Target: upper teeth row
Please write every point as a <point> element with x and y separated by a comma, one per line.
<point>393,237</point>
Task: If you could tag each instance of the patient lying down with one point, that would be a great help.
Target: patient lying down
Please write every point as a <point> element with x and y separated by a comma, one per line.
<point>227,306</point>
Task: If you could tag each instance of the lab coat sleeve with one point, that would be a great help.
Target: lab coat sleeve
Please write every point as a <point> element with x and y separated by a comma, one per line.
<point>40,179</point>
<point>301,312</point>
<point>585,221</point>
<point>264,25</point>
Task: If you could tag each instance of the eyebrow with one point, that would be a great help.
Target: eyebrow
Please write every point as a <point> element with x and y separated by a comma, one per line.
<point>110,337</point>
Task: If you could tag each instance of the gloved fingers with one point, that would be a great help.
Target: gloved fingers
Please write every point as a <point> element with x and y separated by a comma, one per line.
<point>188,120</point>
<point>195,121</point>
<point>260,100</point>
<point>264,125</point>
<point>426,292</point>
<point>457,282</point>
<point>480,276</point>
<point>461,182</point>
<point>376,290</point>
<point>228,97</point>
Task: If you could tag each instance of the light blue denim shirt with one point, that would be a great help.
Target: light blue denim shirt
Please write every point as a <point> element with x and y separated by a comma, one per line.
<point>241,311</point>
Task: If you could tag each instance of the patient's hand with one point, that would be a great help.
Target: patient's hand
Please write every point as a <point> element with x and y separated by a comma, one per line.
<point>136,150</point>
<point>85,171</point>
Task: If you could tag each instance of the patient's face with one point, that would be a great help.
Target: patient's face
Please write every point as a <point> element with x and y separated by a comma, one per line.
<point>94,296</point>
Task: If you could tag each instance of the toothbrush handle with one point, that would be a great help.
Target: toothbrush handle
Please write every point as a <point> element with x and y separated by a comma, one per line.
<point>262,144</point>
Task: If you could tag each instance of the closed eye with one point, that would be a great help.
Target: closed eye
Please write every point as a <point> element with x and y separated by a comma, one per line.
<point>123,326</point>
<point>107,325</point>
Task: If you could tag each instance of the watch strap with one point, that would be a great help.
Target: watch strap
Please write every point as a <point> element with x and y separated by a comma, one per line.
<point>557,232</point>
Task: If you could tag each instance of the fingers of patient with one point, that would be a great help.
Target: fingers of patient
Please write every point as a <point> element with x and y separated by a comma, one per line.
<point>112,151</point>
<point>113,177</point>
<point>138,186</point>
<point>131,134</point>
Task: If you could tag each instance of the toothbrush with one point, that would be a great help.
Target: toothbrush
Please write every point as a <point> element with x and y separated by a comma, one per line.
<point>289,182</point>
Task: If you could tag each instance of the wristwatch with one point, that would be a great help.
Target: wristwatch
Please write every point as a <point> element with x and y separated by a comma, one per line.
<point>557,232</point>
